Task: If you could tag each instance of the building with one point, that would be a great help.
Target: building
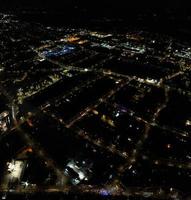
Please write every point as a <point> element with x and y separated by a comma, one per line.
<point>77,172</point>
<point>5,121</point>
<point>14,172</point>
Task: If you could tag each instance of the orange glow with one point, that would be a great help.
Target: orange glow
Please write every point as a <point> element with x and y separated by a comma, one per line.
<point>28,150</point>
<point>30,123</point>
<point>72,39</point>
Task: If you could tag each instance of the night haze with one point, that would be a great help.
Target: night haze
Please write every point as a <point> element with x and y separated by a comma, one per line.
<point>96,6</point>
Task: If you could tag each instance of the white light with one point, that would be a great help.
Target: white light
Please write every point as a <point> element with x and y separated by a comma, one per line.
<point>4,197</point>
<point>117,115</point>
<point>188,123</point>
<point>134,172</point>
<point>81,175</point>
<point>15,169</point>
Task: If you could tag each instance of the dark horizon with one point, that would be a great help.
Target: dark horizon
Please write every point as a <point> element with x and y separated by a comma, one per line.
<point>106,6</point>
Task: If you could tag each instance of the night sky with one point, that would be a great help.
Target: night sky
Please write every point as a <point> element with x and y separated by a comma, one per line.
<point>172,15</point>
<point>101,5</point>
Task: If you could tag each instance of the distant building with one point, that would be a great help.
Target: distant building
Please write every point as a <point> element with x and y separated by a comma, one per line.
<point>14,172</point>
<point>5,121</point>
<point>5,117</point>
<point>77,172</point>
<point>15,169</point>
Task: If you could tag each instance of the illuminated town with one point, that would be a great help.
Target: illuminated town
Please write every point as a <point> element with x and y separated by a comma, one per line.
<point>91,114</point>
